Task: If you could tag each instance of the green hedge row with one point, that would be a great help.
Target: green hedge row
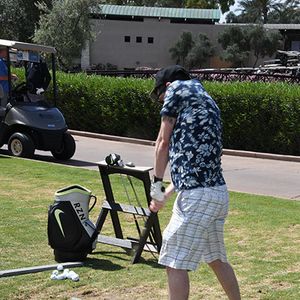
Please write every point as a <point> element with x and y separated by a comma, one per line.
<point>109,105</point>
<point>262,117</point>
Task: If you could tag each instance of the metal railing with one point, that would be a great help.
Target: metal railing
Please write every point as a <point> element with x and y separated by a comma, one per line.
<point>223,75</point>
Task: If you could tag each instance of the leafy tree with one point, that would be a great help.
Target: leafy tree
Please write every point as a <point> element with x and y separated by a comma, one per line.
<point>171,3</point>
<point>235,44</point>
<point>31,18</point>
<point>266,11</point>
<point>258,10</point>
<point>203,4</point>
<point>263,42</point>
<point>234,55</point>
<point>66,26</point>
<point>238,42</point>
<point>231,17</point>
<point>181,49</point>
<point>209,4</point>
<point>200,52</point>
<point>286,13</point>
<point>225,4</point>
<point>255,9</point>
<point>11,17</point>
<point>18,19</point>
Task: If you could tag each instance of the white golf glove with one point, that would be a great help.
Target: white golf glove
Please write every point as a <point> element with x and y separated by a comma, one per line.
<point>157,191</point>
<point>40,91</point>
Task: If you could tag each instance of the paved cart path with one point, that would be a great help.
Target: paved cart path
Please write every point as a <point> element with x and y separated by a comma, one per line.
<point>271,177</point>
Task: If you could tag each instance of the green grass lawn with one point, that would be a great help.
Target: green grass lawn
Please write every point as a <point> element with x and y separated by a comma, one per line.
<point>262,236</point>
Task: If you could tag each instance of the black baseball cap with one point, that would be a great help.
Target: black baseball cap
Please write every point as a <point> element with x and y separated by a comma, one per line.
<point>168,74</point>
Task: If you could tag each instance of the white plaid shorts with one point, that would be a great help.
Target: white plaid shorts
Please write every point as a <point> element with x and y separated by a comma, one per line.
<point>195,231</point>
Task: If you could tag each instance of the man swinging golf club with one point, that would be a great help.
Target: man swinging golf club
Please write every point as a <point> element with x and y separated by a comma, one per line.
<point>190,140</point>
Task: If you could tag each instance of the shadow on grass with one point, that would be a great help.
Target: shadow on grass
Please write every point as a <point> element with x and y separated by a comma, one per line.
<point>48,158</point>
<point>114,254</point>
<point>3,154</point>
<point>152,262</point>
<point>102,264</point>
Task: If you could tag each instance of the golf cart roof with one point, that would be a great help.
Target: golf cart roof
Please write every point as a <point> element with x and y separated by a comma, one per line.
<point>26,46</point>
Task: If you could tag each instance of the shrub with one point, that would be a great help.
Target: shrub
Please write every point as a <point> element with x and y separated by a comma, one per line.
<point>261,117</point>
<point>118,106</point>
<point>256,116</point>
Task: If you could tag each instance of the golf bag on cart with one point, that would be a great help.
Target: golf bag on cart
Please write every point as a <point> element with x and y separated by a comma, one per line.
<point>70,232</point>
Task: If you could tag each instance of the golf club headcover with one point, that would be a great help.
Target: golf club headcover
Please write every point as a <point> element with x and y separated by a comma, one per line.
<point>114,159</point>
<point>157,191</point>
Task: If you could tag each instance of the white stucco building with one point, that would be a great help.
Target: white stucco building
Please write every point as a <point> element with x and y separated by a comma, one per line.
<point>132,37</point>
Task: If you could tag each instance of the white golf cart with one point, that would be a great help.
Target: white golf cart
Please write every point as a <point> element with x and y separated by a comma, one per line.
<point>26,125</point>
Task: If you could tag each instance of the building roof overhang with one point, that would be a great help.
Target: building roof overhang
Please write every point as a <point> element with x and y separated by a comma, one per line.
<point>160,12</point>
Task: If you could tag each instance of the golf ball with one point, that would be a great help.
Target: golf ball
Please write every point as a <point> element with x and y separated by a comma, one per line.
<point>60,267</point>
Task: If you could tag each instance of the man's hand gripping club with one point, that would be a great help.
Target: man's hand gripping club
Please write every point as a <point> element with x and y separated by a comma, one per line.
<point>159,195</point>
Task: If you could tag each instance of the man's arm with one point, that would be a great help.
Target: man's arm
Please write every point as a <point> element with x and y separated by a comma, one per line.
<point>162,145</point>
<point>161,160</point>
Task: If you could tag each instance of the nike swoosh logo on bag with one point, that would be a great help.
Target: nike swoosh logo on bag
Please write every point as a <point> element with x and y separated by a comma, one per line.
<point>56,214</point>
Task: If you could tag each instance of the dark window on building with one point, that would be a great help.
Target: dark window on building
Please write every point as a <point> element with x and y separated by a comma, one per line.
<point>138,39</point>
<point>127,39</point>
<point>150,40</point>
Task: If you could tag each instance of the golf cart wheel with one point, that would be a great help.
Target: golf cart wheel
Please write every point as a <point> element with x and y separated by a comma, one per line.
<point>68,148</point>
<point>21,145</point>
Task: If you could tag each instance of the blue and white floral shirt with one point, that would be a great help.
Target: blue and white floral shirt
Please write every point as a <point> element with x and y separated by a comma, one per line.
<point>195,146</point>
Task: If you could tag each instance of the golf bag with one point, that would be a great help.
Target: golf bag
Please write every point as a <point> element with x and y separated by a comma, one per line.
<point>70,232</point>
